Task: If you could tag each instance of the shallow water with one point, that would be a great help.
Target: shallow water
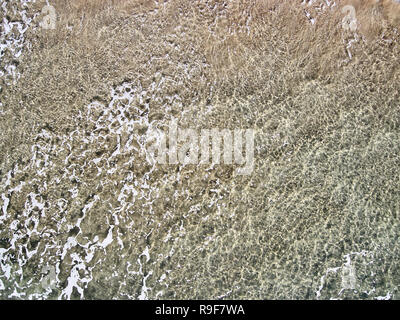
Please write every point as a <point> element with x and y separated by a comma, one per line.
<point>87,216</point>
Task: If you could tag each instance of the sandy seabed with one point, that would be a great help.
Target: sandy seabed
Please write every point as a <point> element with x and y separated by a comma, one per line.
<point>84,215</point>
